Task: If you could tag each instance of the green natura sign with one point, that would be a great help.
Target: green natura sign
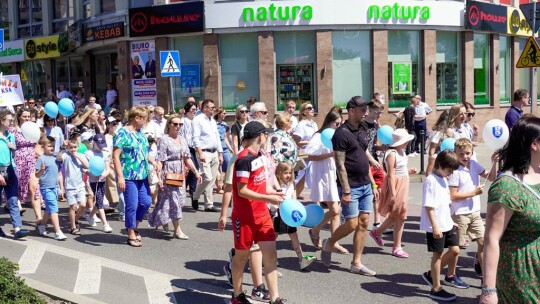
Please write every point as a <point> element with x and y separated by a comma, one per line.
<point>396,11</point>
<point>273,13</point>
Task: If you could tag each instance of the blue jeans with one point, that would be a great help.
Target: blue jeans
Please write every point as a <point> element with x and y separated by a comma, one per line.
<point>226,159</point>
<point>137,201</point>
<point>361,201</point>
<point>12,183</point>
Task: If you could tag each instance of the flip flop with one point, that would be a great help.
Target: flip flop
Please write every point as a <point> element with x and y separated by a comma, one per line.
<point>315,239</point>
<point>399,253</point>
<point>134,243</point>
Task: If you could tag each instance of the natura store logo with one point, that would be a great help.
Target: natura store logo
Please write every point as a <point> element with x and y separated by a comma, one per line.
<point>474,15</point>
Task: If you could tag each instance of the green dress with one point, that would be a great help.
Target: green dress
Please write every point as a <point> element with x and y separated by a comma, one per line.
<point>518,273</point>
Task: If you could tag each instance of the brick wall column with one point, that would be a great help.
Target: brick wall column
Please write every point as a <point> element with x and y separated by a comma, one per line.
<point>162,83</point>
<point>123,80</point>
<point>429,64</point>
<point>379,53</point>
<point>211,74</point>
<point>323,73</point>
<point>467,67</point>
<point>267,72</point>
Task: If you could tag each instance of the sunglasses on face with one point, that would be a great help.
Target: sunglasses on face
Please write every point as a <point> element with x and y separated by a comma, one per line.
<point>309,108</point>
<point>471,114</point>
<point>177,124</point>
<point>264,112</point>
<point>244,111</point>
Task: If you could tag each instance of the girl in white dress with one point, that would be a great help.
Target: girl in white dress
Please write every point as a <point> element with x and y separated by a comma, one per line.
<point>321,179</point>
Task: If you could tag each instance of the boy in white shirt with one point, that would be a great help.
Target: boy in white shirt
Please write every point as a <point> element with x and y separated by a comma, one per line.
<point>465,190</point>
<point>440,229</point>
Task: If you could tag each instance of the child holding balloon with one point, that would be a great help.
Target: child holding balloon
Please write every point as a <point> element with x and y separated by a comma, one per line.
<point>47,173</point>
<point>73,164</point>
<point>99,165</point>
<point>284,175</point>
<point>395,191</point>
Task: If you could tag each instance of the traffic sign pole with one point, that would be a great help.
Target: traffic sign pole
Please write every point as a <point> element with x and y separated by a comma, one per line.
<point>532,91</point>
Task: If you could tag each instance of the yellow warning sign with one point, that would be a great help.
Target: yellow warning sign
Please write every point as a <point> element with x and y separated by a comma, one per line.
<point>23,76</point>
<point>530,57</point>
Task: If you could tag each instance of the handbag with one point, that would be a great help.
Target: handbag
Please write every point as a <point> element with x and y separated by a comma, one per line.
<point>152,176</point>
<point>174,179</point>
<point>300,162</point>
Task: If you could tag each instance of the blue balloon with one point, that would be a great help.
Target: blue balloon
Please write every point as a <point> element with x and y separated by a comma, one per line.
<point>385,134</point>
<point>448,144</point>
<point>96,165</point>
<point>292,212</point>
<point>315,214</point>
<point>326,138</point>
<point>66,107</point>
<point>51,109</point>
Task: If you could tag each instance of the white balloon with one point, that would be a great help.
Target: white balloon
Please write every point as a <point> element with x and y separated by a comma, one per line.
<point>495,134</point>
<point>30,130</point>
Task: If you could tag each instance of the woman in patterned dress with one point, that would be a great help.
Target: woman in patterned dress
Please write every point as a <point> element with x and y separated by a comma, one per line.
<point>131,161</point>
<point>171,155</point>
<point>283,146</point>
<point>25,161</point>
<point>512,238</point>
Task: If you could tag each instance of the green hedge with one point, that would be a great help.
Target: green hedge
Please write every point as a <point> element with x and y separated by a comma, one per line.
<point>13,290</point>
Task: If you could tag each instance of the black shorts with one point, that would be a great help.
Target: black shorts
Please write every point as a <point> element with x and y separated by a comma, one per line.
<point>280,227</point>
<point>449,239</point>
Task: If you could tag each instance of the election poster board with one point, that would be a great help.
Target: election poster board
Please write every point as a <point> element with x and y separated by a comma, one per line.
<point>143,73</point>
<point>401,78</point>
<point>11,93</point>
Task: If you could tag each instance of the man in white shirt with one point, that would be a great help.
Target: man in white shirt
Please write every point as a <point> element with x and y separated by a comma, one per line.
<point>207,142</point>
<point>158,123</point>
<point>112,96</point>
<point>92,103</point>
<point>422,110</point>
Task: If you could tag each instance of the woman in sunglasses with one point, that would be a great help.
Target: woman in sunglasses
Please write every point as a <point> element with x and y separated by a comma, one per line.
<point>237,129</point>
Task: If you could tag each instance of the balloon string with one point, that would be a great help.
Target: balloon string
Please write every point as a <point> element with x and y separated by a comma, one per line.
<point>492,167</point>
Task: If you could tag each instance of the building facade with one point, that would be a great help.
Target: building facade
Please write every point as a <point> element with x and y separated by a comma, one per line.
<point>321,51</point>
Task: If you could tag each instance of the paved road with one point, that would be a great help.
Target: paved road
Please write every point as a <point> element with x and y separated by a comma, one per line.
<point>100,268</point>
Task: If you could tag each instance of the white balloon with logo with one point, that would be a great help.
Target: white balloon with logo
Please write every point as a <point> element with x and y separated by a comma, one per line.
<point>496,134</point>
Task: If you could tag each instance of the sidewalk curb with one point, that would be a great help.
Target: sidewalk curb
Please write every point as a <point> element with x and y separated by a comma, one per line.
<point>58,293</point>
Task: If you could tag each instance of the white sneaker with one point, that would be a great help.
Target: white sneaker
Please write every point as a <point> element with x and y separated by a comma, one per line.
<point>107,228</point>
<point>306,260</point>
<point>42,230</point>
<point>91,221</point>
<point>59,236</point>
<point>96,219</point>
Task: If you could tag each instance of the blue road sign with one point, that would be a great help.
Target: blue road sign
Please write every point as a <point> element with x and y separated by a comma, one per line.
<point>1,39</point>
<point>170,63</point>
<point>530,15</point>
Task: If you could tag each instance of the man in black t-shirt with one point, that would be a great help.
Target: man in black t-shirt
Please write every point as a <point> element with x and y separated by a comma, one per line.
<point>354,184</point>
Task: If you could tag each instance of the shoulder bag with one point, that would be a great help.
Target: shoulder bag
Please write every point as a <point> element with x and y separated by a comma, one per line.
<point>175,179</point>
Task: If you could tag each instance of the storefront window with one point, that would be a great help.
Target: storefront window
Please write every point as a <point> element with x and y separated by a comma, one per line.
<point>30,18</point>
<point>105,70</point>
<point>448,71</point>
<point>190,83</point>
<point>351,65</point>
<point>4,17</point>
<point>108,6</point>
<point>69,72</point>
<point>87,9</point>
<point>481,69</point>
<point>5,69</point>
<point>239,68</point>
<point>33,78</point>
<point>404,79</point>
<point>523,74</point>
<point>62,15</point>
<point>295,59</point>
<point>505,70</point>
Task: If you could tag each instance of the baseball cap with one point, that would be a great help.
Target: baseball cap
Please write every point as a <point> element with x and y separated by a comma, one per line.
<point>111,120</point>
<point>87,136</point>
<point>99,140</point>
<point>254,128</point>
<point>357,101</point>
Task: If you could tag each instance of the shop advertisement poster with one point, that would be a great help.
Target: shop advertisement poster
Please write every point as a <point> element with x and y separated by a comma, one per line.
<point>11,93</point>
<point>401,77</point>
<point>190,81</point>
<point>143,73</point>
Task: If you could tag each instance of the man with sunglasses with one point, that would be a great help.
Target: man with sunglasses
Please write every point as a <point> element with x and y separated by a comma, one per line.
<point>207,143</point>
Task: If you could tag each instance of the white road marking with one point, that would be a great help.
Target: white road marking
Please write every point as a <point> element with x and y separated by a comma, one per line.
<point>88,277</point>
<point>31,257</point>
<point>159,289</point>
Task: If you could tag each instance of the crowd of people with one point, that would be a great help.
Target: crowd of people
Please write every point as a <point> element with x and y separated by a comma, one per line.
<point>153,158</point>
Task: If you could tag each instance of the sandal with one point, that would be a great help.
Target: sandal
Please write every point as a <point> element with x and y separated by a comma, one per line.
<point>137,235</point>
<point>399,253</point>
<point>340,249</point>
<point>75,231</point>
<point>315,239</point>
<point>134,243</point>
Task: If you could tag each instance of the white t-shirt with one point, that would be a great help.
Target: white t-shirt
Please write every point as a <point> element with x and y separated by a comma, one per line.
<point>437,196</point>
<point>111,96</point>
<point>466,180</point>
<point>95,106</point>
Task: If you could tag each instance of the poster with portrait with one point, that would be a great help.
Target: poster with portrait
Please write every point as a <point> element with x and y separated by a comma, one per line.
<point>401,78</point>
<point>11,93</point>
<point>143,72</point>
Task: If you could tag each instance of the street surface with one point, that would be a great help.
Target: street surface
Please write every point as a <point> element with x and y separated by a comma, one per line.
<point>101,268</point>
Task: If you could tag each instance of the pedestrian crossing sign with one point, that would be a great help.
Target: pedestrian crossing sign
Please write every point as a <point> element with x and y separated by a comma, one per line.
<point>170,63</point>
<point>530,57</point>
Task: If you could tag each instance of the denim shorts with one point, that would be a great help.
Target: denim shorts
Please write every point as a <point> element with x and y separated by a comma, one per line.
<point>50,196</point>
<point>361,201</point>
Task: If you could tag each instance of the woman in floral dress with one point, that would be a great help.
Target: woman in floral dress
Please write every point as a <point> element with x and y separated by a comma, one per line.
<point>25,160</point>
<point>171,155</point>
<point>512,239</point>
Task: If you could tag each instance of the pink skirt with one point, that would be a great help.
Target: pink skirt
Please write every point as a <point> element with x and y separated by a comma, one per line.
<point>396,207</point>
